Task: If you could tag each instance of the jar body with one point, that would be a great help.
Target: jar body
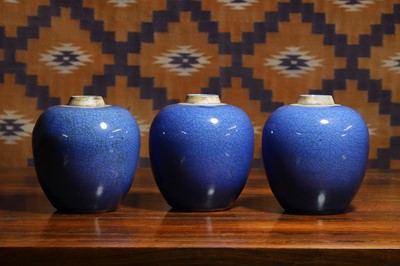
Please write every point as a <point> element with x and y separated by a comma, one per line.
<point>315,157</point>
<point>201,155</point>
<point>85,158</point>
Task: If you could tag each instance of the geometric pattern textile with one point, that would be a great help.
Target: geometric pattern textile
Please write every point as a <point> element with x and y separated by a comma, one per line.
<point>144,55</point>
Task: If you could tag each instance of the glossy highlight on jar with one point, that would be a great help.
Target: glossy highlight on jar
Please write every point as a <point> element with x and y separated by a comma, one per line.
<point>315,154</point>
<point>201,152</point>
<point>86,154</point>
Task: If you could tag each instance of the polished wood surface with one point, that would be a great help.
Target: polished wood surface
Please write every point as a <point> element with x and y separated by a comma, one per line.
<point>144,230</point>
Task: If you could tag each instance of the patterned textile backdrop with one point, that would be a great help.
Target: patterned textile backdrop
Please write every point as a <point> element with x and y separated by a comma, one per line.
<point>144,55</point>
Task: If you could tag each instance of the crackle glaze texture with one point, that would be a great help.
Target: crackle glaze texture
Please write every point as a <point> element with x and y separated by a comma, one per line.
<point>86,158</point>
<point>315,157</point>
<point>201,155</point>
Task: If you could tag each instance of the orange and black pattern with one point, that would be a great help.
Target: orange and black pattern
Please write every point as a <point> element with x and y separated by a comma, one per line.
<point>144,55</point>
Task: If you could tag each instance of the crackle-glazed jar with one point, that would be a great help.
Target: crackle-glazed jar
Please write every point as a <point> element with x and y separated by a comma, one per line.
<point>201,152</point>
<point>315,155</point>
<point>85,154</point>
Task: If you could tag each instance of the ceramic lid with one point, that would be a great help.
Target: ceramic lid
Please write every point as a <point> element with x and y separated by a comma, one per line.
<point>86,101</point>
<point>315,100</point>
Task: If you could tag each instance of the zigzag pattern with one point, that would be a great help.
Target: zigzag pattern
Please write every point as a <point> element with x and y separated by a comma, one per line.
<point>161,19</point>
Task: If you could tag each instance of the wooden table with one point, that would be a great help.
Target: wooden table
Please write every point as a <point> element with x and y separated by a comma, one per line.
<point>145,231</point>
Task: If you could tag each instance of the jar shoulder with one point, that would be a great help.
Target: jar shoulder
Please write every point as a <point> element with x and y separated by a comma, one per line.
<point>299,113</point>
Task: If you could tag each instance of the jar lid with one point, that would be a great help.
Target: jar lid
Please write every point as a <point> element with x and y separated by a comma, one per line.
<point>315,100</point>
<point>202,99</point>
<point>86,101</point>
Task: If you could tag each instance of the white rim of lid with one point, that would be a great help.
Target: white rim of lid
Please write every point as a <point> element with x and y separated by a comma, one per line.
<point>203,99</point>
<point>86,101</point>
<point>315,100</point>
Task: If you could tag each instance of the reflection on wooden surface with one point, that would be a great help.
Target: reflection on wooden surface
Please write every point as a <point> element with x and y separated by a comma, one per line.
<point>144,230</point>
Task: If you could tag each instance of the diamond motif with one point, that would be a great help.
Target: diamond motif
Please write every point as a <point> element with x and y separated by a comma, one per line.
<point>238,4</point>
<point>293,62</point>
<point>65,58</point>
<point>183,60</point>
<point>257,129</point>
<point>353,5</point>
<point>122,3</point>
<point>393,63</point>
<point>371,130</point>
<point>144,127</point>
<point>13,127</point>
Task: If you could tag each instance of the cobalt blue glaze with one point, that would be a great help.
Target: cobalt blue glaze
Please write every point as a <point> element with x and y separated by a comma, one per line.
<point>201,154</point>
<point>315,157</point>
<point>85,158</point>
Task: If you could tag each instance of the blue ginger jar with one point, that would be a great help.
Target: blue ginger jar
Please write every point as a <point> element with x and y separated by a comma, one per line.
<point>85,154</point>
<point>201,153</point>
<point>315,155</point>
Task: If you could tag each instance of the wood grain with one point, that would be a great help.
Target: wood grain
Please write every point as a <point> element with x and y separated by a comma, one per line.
<point>144,230</point>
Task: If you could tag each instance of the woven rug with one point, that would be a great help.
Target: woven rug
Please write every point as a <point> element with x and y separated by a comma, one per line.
<point>144,55</point>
